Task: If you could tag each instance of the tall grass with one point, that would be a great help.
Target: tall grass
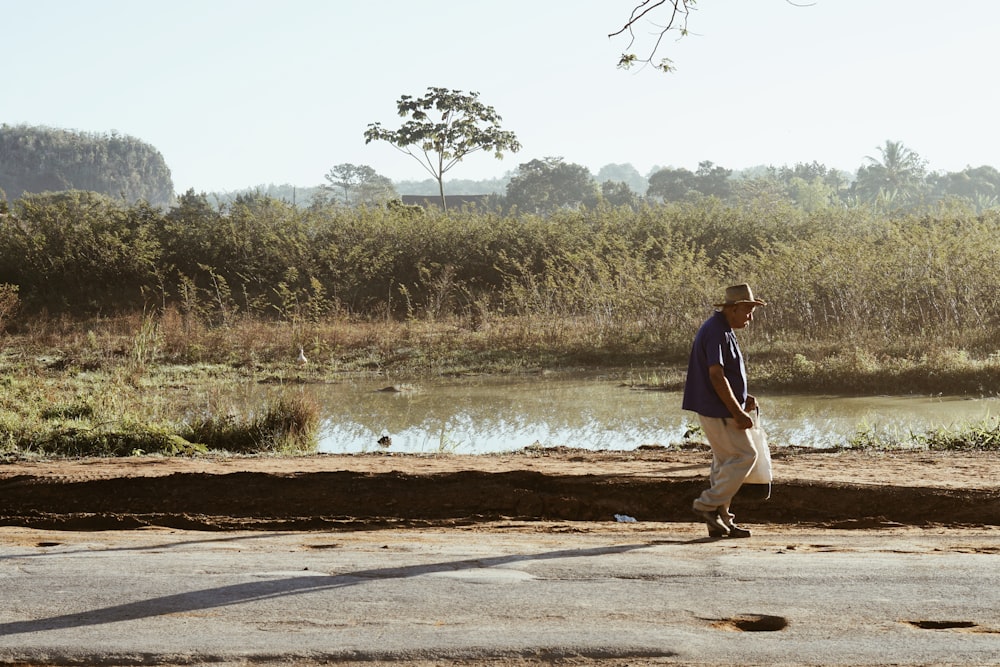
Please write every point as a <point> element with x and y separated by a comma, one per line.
<point>105,393</point>
<point>107,308</point>
<point>630,278</point>
<point>983,436</point>
<point>287,425</point>
<point>284,426</point>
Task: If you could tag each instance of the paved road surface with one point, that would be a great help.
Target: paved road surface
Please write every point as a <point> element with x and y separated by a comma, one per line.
<point>643,593</point>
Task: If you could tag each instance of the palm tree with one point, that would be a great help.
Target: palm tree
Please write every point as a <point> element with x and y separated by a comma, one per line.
<point>899,175</point>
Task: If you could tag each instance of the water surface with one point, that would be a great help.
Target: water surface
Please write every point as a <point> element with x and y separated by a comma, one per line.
<point>483,415</point>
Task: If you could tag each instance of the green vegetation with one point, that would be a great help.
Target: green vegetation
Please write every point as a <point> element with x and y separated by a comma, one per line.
<point>43,159</point>
<point>464,125</point>
<point>287,425</point>
<point>104,402</point>
<point>982,436</point>
<point>126,327</point>
<point>621,282</point>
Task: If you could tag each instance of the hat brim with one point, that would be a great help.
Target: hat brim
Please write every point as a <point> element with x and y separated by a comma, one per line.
<point>756,302</point>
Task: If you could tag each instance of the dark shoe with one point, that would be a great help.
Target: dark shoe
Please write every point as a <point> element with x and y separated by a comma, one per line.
<point>732,530</point>
<point>736,531</point>
<point>713,522</point>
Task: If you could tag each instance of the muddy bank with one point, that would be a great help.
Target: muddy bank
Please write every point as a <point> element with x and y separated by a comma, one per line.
<point>343,492</point>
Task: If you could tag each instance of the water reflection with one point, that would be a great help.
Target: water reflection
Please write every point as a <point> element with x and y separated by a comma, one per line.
<point>812,421</point>
<point>488,415</point>
<point>493,415</point>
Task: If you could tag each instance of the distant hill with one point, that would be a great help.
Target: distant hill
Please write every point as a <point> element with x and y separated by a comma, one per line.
<point>43,159</point>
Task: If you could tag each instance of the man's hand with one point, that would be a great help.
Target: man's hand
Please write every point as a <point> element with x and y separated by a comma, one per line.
<point>743,420</point>
<point>751,404</point>
<point>721,385</point>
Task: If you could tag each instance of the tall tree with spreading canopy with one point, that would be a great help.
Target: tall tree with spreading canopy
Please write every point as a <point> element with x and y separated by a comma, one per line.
<point>358,184</point>
<point>542,186</point>
<point>623,173</point>
<point>463,125</point>
<point>680,184</point>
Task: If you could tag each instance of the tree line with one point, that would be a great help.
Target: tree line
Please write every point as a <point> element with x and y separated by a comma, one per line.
<point>444,126</point>
<point>631,274</point>
<point>897,181</point>
<point>38,159</point>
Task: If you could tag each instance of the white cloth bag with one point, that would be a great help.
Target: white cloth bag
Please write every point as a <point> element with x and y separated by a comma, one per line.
<point>757,485</point>
<point>761,472</point>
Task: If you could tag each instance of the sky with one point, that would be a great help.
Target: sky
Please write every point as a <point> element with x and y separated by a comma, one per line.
<point>241,93</point>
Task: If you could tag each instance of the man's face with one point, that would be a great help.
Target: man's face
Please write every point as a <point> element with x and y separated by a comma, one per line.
<point>740,315</point>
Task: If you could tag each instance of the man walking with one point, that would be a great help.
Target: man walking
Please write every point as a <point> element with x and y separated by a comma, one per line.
<point>716,389</point>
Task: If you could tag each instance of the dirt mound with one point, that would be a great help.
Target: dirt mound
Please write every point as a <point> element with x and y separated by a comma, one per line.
<point>838,489</point>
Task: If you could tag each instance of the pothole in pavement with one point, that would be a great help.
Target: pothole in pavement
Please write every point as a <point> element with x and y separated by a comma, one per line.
<point>751,623</point>
<point>942,625</point>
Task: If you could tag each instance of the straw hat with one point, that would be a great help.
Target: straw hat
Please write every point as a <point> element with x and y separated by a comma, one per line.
<point>740,294</point>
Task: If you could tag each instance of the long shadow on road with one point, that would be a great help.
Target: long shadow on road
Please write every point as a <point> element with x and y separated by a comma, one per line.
<point>222,596</point>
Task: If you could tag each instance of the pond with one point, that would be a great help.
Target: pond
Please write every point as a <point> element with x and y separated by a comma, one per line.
<point>482,415</point>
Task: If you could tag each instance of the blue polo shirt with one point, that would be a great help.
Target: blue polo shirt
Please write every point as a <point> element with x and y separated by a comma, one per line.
<point>714,344</point>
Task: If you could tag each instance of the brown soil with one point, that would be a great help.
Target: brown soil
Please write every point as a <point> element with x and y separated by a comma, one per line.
<point>823,489</point>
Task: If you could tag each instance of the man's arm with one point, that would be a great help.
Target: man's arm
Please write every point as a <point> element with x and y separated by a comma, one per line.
<point>721,385</point>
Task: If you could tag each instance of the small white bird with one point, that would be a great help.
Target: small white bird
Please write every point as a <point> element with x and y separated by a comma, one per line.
<point>302,361</point>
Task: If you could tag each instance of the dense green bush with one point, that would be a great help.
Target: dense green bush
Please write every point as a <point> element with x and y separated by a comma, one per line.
<point>627,276</point>
<point>79,251</point>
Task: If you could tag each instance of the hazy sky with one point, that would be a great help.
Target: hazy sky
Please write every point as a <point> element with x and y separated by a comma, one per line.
<point>237,93</point>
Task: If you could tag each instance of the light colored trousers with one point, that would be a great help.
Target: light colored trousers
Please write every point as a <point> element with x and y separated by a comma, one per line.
<point>733,455</point>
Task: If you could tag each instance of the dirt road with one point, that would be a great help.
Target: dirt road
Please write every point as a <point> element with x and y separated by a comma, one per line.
<point>475,560</point>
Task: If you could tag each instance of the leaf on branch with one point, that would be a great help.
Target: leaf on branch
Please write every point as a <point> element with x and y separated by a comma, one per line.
<point>679,12</point>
